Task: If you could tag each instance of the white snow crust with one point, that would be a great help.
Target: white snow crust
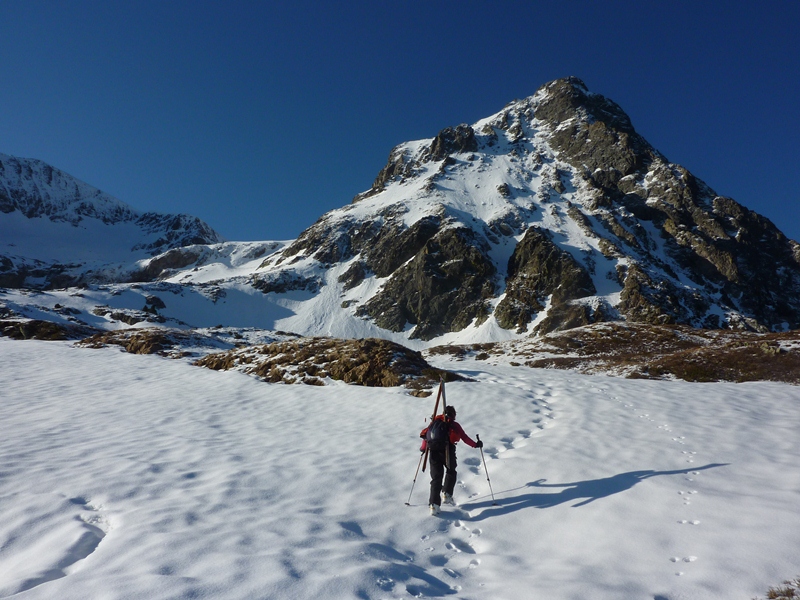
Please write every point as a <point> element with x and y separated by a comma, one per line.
<point>130,477</point>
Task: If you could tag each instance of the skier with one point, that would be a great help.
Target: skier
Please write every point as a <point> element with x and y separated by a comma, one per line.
<point>442,453</point>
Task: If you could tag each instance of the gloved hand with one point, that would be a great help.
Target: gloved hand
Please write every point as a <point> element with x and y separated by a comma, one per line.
<point>479,444</point>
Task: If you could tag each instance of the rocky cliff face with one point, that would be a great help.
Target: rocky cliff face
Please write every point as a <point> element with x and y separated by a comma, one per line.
<point>550,214</point>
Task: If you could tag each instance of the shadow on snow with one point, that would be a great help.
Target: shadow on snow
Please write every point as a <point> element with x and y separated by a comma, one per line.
<point>583,492</point>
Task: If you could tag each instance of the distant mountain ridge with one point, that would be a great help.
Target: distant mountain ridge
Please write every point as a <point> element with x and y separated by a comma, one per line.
<point>551,214</point>
<point>31,189</point>
<point>38,190</point>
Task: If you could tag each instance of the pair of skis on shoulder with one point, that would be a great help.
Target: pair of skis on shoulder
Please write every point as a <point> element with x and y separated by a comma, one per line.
<point>423,459</point>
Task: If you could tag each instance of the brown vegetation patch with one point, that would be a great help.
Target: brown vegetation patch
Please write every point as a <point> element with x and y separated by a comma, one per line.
<point>668,351</point>
<point>137,341</point>
<point>485,350</point>
<point>35,329</point>
<point>789,589</point>
<point>369,362</point>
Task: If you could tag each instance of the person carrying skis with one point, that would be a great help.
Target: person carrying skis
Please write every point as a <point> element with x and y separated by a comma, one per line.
<point>440,439</point>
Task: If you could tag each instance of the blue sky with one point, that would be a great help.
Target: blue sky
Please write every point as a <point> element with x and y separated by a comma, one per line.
<point>260,116</point>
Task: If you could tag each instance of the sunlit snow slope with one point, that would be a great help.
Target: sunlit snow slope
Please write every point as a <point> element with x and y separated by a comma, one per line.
<point>141,477</point>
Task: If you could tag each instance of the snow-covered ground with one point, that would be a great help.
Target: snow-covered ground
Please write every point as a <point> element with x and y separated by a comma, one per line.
<point>126,476</point>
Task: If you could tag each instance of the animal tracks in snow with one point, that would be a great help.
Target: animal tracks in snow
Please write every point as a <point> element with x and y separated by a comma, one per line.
<point>688,457</point>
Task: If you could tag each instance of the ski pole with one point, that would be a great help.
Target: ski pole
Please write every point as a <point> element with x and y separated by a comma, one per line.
<point>494,503</point>
<point>415,478</point>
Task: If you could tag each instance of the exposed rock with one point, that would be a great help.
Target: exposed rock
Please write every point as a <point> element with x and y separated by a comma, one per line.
<point>177,258</point>
<point>369,362</point>
<point>537,270</point>
<point>36,329</point>
<point>284,281</point>
<point>137,341</point>
<point>452,140</point>
<point>443,288</point>
<point>568,316</point>
<point>401,165</point>
<point>353,276</point>
<point>394,245</point>
<point>129,317</point>
<point>330,241</point>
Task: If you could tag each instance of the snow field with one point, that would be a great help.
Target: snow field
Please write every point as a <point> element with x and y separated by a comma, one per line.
<point>128,476</point>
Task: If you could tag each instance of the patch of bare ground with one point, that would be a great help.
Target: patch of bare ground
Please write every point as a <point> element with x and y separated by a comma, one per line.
<point>173,343</point>
<point>653,352</point>
<point>368,362</point>
<point>35,329</point>
<point>140,341</point>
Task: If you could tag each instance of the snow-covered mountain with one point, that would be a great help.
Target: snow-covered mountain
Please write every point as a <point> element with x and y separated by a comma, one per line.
<point>56,230</point>
<point>551,214</point>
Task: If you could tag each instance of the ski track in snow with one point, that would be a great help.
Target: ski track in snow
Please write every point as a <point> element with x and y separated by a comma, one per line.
<point>127,476</point>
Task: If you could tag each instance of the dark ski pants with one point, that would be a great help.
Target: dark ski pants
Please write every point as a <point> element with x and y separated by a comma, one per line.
<point>441,467</point>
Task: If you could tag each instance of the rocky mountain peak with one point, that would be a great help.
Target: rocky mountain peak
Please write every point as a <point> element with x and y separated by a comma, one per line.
<point>552,213</point>
<point>565,99</point>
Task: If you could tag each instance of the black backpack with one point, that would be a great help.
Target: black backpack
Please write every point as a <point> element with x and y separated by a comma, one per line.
<point>438,433</point>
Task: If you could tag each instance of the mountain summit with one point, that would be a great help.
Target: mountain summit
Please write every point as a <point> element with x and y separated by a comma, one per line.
<point>550,214</point>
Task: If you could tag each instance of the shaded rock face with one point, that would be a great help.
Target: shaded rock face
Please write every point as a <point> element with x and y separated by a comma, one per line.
<point>177,258</point>
<point>539,269</point>
<point>283,282</point>
<point>444,287</point>
<point>175,231</point>
<point>21,273</point>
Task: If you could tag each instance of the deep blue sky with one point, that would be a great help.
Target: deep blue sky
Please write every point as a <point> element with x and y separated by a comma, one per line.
<point>260,116</point>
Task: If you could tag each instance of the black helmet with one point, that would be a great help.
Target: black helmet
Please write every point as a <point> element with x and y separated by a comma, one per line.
<point>450,411</point>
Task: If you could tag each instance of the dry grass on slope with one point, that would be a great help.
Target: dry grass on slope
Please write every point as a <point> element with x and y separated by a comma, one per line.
<point>369,362</point>
<point>654,352</point>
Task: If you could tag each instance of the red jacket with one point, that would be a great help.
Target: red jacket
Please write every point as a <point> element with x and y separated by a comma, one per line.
<point>456,434</point>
